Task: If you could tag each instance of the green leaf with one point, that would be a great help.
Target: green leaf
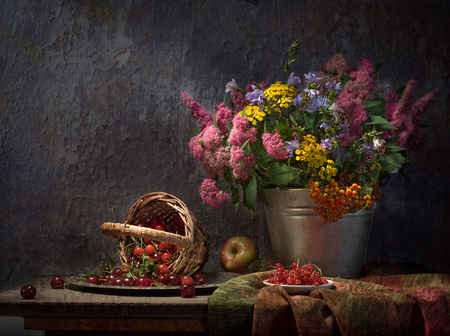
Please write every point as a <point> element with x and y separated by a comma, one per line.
<point>344,79</point>
<point>264,161</point>
<point>244,144</point>
<point>281,174</point>
<point>393,159</point>
<point>283,129</point>
<point>380,123</point>
<point>375,108</point>
<point>366,190</point>
<point>235,199</point>
<point>393,149</point>
<point>338,162</point>
<point>250,193</point>
<point>377,67</point>
<point>365,178</point>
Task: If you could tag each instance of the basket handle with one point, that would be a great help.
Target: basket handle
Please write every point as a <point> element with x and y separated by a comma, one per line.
<point>120,230</point>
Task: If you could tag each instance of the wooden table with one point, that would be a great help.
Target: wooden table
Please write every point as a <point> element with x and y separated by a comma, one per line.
<point>72,312</point>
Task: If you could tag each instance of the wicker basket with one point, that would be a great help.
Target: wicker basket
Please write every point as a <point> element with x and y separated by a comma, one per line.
<point>194,243</point>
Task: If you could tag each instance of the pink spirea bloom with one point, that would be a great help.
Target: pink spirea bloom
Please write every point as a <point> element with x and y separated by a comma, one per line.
<point>336,64</point>
<point>240,133</point>
<point>208,149</point>
<point>211,194</point>
<point>238,100</point>
<point>274,146</point>
<point>200,114</point>
<point>407,118</point>
<point>363,84</point>
<point>355,112</point>
<point>240,163</point>
<point>224,116</point>
<point>355,91</point>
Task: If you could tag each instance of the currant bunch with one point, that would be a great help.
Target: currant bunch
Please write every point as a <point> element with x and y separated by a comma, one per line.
<point>308,275</point>
<point>337,200</point>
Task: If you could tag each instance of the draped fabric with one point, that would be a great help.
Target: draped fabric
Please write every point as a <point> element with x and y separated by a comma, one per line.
<point>375,304</point>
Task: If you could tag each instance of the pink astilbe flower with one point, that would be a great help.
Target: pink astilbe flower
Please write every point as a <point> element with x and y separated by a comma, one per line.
<point>355,112</point>
<point>240,163</point>
<point>336,65</point>
<point>200,114</point>
<point>274,146</point>
<point>196,149</point>
<point>208,149</point>
<point>224,116</point>
<point>362,84</point>
<point>238,100</point>
<point>211,194</point>
<point>407,118</point>
<point>240,133</point>
<point>391,104</point>
<point>355,91</point>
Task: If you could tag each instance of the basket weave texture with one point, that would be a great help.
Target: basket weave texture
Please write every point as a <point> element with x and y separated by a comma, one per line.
<point>194,242</point>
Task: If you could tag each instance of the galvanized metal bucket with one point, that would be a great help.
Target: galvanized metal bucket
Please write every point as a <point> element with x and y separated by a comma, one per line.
<point>298,233</point>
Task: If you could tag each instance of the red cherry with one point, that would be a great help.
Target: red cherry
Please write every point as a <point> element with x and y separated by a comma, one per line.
<point>110,279</point>
<point>143,281</point>
<point>187,279</point>
<point>28,292</point>
<point>166,258</point>
<point>162,269</point>
<point>149,249</point>
<point>57,282</point>
<point>199,278</point>
<point>162,278</point>
<point>129,282</point>
<point>174,280</point>
<point>119,282</point>
<point>138,251</point>
<point>187,290</point>
<point>160,227</point>
<point>93,280</point>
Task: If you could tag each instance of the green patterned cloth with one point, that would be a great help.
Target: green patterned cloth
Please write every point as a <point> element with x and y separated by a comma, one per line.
<point>375,304</point>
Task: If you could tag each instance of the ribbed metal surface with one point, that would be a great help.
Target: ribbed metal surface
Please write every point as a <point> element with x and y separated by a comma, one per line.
<point>298,233</point>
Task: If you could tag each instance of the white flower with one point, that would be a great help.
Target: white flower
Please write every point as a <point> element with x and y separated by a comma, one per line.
<point>378,143</point>
<point>231,86</point>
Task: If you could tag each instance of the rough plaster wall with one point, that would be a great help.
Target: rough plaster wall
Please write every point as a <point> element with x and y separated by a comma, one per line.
<point>91,116</point>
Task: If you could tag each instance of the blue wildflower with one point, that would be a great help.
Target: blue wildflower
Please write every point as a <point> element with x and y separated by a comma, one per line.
<point>256,96</point>
<point>312,77</point>
<point>317,104</point>
<point>297,100</point>
<point>292,146</point>
<point>293,79</point>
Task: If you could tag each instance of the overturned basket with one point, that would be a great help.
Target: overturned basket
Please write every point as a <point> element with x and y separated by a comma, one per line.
<point>194,243</point>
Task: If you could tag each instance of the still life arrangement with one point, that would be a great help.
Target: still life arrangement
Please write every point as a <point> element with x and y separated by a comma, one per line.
<point>335,131</point>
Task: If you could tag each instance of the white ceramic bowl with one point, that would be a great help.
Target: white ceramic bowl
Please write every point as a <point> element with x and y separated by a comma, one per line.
<point>301,289</point>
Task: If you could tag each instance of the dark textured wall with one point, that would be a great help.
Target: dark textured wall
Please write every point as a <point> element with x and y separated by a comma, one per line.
<point>91,116</point>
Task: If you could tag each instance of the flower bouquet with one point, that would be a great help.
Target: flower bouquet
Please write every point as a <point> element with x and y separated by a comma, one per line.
<point>333,131</point>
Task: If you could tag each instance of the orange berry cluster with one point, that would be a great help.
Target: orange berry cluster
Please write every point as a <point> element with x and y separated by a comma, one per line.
<point>336,201</point>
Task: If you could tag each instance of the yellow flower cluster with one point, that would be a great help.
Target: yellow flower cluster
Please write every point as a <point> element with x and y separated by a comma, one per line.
<point>330,170</point>
<point>310,151</point>
<point>279,96</point>
<point>254,114</point>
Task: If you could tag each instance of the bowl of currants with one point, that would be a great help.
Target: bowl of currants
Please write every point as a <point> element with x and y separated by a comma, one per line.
<point>298,280</point>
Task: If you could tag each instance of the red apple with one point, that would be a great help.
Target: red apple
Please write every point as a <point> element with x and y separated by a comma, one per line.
<point>237,254</point>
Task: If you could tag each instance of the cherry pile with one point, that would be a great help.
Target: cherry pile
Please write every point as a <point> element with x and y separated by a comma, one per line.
<point>148,263</point>
<point>307,275</point>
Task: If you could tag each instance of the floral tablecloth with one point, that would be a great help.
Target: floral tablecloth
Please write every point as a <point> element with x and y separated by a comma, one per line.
<point>386,300</point>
